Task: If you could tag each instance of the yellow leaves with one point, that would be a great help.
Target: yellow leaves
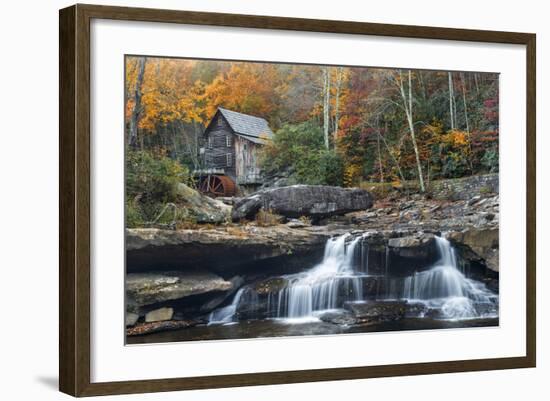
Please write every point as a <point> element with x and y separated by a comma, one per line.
<point>246,87</point>
<point>434,128</point>
<point>352,173</point>
<point>458,138</point>
<point>434,133</point>
<point>168,94</point>
<point>396,183</point>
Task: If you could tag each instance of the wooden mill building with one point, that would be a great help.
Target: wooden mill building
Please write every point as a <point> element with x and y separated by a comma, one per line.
<point>231,144</point>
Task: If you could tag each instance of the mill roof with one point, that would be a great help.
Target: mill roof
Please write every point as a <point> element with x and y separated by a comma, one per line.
<point>255,129</point>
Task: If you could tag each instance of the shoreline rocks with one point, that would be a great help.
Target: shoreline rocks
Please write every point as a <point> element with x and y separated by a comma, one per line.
<point>376,311</point>
<point>195,271</point>
<point>153,327</point>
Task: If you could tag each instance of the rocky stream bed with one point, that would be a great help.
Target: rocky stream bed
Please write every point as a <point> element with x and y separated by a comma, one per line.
<point>343,263</point>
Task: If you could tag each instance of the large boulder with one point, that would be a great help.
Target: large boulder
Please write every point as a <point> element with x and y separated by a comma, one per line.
<point>152,288</point>
<point>414,246</point>
<point>202,208</point>
<point>315,201</point>
<point>478,245</point>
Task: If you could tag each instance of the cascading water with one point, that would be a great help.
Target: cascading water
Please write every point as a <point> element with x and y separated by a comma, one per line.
<point>446,288</point>
<point>340,278</point>
<point>227,313</point>
<point>326,286</point>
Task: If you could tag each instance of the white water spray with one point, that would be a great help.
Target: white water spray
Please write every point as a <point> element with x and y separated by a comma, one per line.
<point>227,313</point>
<point>446,288</point>
<point>339,278</point>
<point>328,285</point>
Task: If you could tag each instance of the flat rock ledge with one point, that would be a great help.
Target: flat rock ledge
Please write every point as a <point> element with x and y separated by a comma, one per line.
<point>151,288</point>
<point>153,327</point>
<point>223,250</point>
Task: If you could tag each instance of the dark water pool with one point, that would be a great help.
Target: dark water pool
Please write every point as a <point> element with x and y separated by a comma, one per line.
<point>280,328</point>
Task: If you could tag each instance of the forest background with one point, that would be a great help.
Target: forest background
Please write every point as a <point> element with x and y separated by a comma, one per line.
<point>343,126</point>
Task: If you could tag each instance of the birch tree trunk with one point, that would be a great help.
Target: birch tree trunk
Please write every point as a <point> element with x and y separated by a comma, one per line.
<point>407,105</point>
<point>136,111</point>
<point>326,105</point>
<point>451,105</point>
<point>465,104</point>
<point>339,77</point>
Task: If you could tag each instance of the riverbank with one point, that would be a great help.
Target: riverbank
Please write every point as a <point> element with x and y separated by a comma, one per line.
<point>280,328</point>
<point>178,279</point>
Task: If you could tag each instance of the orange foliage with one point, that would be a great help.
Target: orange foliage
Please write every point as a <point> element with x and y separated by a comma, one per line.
<point>166,95</point>
<point>246,87</point>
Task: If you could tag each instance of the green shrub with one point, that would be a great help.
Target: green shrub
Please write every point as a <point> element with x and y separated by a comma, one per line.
<point>133,215</point>
<point>490,160</point>
<point>331,168</point>
<point>153,177</point>
<point>151,183</point>
<point>300,149</point>
<point>455,164</point>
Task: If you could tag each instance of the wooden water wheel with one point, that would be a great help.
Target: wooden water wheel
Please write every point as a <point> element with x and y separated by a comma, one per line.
<point>217,185</point>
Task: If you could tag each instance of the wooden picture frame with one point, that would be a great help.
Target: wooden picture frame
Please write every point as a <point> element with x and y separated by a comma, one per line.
<point>74,204</point>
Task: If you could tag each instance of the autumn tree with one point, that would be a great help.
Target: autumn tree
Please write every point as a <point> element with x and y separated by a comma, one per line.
<point>248,88</point>
<point>135,100</point>
<point>376,124</point>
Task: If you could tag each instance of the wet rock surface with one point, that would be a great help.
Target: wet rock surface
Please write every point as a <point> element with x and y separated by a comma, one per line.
<point>341,317</point>
<point>271,328</point>
<point>376,311</point>
<point>397,241</point>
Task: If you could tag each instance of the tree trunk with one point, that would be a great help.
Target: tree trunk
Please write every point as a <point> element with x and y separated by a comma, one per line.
<point>465,103</point>
<point>451,105</point>
<point>339,73</point>
<point>326,104</point>
<point>136,111</point>
<point>379,152</point>
<point>407,103</point>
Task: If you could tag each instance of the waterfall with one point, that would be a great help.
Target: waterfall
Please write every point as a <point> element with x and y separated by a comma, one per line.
<point>443,288</point>
<point>227,313</point>
<point>328,285</point>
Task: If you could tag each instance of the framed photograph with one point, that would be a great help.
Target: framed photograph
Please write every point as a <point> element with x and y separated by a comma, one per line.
<point>250,200</point>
